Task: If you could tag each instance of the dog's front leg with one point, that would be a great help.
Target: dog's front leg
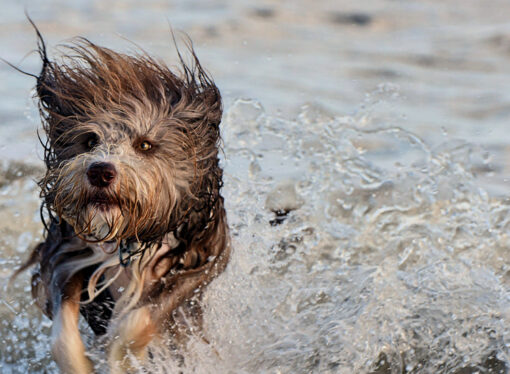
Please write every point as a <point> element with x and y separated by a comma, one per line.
<point>67,347</point>
<point>133,333</point>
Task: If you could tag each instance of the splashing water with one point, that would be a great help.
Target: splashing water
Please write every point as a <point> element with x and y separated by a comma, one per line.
<point>357,249</point>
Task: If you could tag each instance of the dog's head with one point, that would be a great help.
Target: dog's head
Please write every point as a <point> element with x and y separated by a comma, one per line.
<point>130,147</point>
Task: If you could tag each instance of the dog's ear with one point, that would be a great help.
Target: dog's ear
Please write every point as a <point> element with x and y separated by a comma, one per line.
<point>45,86</point>
<point>198,84</point>
<point>209,95</point>
<point>212,99</point>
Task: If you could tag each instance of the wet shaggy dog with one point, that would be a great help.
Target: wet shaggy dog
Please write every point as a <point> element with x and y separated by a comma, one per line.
<point>134,219</point>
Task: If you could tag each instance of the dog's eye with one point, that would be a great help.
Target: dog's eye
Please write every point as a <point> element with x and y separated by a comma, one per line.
<point>92,142</point>
<point>145,146</point>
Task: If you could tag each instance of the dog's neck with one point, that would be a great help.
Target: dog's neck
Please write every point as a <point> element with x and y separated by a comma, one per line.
<point>128,248</point>
<point>129,252</point>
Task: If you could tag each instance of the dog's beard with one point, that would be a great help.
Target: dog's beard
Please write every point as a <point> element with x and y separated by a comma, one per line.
<point>104,222</point>
<point>95,214</point>
<point>96,219</point>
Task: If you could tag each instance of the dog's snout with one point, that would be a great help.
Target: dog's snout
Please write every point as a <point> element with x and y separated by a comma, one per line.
<point>101,174</point>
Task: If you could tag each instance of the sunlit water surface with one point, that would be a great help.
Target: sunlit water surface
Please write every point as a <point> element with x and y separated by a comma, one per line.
<point>391,259</point>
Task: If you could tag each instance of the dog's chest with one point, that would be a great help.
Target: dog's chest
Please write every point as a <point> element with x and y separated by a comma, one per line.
<point>121,277</point>
<point>121,282</point>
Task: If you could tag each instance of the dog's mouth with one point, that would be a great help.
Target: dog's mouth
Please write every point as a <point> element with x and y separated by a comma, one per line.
<point>102,201</point>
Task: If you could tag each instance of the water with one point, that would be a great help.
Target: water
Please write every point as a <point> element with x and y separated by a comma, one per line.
<point>393,251</point>
<point>391,258</point>
<point>370,229</point>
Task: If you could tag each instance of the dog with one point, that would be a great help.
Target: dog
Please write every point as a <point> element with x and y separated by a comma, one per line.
<point>134,220</point>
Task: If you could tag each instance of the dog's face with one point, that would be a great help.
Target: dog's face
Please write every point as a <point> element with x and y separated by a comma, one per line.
<point>131,147</point>
<point>121,175</point>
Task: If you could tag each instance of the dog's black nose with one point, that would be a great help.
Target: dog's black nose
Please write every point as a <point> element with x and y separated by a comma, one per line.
<point>101,174</point>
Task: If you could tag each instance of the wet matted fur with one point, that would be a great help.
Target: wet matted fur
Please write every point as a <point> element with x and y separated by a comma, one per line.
<point>131,197</point>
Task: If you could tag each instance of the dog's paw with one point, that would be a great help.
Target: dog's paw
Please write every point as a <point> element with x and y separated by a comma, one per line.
<point>128,347</point>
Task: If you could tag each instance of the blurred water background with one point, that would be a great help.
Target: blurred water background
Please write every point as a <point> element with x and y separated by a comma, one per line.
<point>380,126</point>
